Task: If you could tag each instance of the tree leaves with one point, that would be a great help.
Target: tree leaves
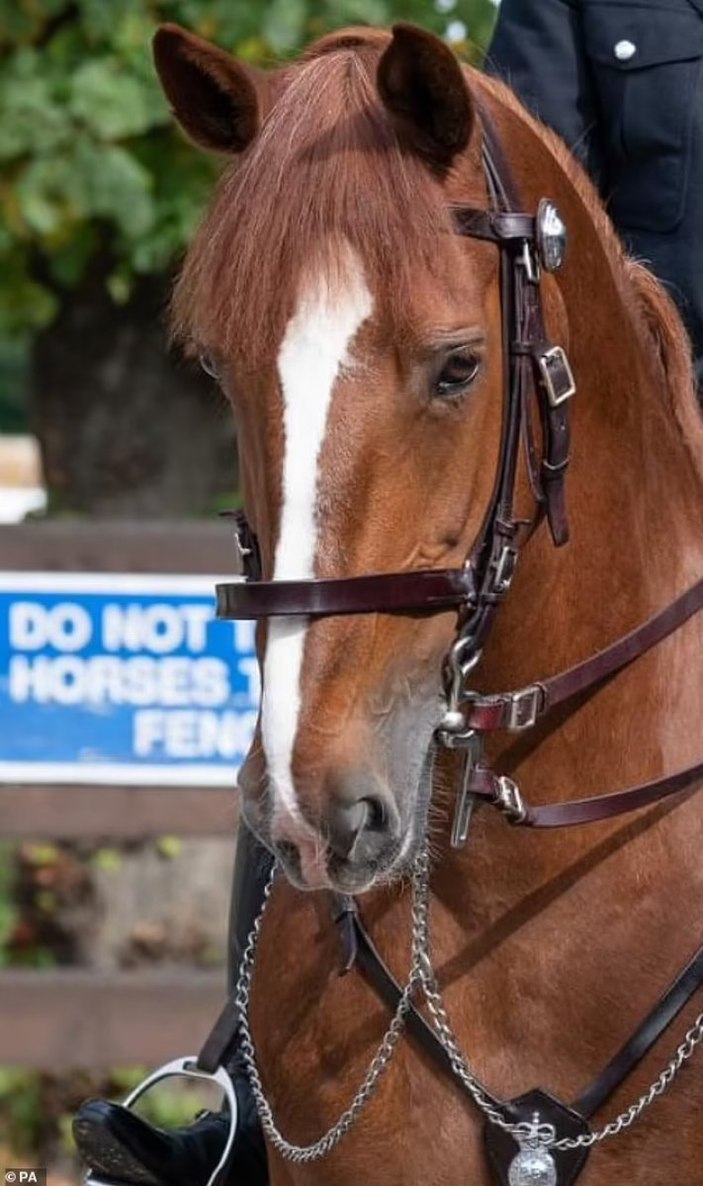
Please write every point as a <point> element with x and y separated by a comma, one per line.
<point>283,25</point>
<point>91,161</point>
<point>32,121</point>
<point>22,21</point>
<point>113,103</point>
<point>117,188</point>
<point>86,182</point>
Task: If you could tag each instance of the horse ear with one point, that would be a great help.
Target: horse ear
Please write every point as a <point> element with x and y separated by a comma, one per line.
<point>422,85</point>
<point>216,100</point>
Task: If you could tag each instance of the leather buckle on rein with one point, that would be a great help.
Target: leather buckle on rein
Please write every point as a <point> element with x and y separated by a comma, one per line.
<point>504,570</point>
<point>509,801</point>
<point>523,708</point>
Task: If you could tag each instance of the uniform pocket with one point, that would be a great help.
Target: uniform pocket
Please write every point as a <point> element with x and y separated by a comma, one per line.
<point>646,64</point>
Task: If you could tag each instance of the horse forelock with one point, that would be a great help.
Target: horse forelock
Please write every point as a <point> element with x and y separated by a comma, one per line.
<point>328,171</point>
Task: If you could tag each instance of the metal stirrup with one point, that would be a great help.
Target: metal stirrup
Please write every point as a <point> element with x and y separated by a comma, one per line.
<point>185,1068</point>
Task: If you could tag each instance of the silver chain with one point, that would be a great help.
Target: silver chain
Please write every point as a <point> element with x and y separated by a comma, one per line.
<point>693,1038</point>
<point>442,1025</point>
<point>376,1068</point>
<point>544,1133</point>
<point>422,976</point>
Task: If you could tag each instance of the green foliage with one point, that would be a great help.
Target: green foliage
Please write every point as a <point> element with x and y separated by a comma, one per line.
<point>107,860</point>
<point>14,366</point>
<point>94,175</point>
<point>169,848</point>
<point>8,910</point>
<point>20,1107</point>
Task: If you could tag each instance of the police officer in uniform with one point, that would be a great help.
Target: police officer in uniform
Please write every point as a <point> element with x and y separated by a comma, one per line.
<point>622,82</point>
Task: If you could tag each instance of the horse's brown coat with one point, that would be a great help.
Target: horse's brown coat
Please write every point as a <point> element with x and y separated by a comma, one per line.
<point>550,947</point>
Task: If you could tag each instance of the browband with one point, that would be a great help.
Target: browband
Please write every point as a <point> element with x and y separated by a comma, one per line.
<point>419,591</point>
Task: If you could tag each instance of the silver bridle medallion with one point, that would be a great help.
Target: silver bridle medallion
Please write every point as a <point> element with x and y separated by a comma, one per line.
<point>533,1167</point>
<point>534,1164</point>
<point>551,236</point>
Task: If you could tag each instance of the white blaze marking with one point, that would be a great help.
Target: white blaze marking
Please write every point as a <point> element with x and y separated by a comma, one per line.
<point>313,351</point>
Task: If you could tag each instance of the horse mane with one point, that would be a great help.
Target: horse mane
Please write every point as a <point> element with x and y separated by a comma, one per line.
<point>327,165</point>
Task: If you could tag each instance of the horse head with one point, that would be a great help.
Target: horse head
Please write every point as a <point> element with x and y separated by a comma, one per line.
<point>363,345</point>
<point>359,341</point>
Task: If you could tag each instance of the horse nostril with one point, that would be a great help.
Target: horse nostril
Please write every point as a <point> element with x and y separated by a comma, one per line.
<point>346,821</point>
<point>358,828</point>
<point>376,814</point>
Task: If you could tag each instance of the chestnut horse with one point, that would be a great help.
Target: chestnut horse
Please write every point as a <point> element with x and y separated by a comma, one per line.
<point>360,343</point>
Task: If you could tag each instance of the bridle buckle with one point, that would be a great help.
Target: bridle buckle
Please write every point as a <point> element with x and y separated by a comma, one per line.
<point>504,570</point>
<point>529,260</point>
<point>509,801</point>
<point>246,545</point>
<point>556,375</point>
<point>523,708</point>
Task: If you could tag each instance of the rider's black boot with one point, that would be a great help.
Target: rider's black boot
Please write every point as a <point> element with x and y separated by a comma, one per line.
<point>116,1143</point>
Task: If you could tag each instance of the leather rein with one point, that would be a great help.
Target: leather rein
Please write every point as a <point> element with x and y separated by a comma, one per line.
<point>538,375</point>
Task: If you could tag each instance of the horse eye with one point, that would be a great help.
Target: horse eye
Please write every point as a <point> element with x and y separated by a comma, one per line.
<point>458,372</point>
<point>209,365</point>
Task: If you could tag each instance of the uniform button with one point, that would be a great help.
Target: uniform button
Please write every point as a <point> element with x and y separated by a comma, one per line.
<point>624,50</point>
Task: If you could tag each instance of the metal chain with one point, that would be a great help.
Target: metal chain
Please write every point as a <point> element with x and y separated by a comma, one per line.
<point>379,1063</point>
<point>422,976</point>
<point>545,1134</point>
<point>442,1024</point>
<point>693,1038</point>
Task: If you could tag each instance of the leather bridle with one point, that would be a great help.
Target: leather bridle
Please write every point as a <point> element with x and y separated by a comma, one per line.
<point>537,375</point>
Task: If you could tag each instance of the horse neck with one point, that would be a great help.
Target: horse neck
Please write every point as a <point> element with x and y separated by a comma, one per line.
<point>635,489</point>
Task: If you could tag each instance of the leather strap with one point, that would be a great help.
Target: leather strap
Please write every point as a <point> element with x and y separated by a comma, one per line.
<point>495,226</point>
<point>495,553</point>
<point>427,591</point>
<point>366,956</point>
<point>502,792</point>
<point>218,1042</point>
<point>633,1051</point>
<point>501,711</point>
<point>371,964</point>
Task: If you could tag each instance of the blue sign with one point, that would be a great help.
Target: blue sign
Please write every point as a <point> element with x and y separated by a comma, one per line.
<point>116,678</point>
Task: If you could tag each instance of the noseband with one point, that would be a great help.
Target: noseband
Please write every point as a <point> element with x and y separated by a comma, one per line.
<point>537,375</point>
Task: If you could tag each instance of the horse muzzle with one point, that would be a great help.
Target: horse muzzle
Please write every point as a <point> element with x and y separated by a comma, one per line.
<point>352,841</point>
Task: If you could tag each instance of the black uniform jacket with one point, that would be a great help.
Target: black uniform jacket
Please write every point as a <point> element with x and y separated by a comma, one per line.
<point>622,82</point>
